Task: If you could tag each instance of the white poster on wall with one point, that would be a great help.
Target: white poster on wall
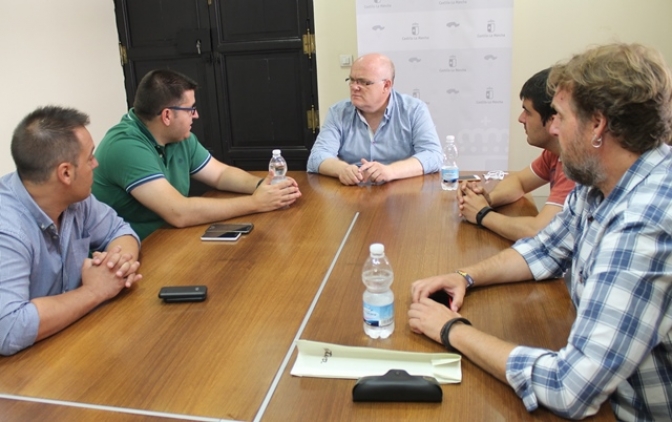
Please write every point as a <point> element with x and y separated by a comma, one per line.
<point>455,55</point>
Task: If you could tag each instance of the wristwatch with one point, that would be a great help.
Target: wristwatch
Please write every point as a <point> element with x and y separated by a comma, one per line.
<point>470,280</point>
<point>482,213</point>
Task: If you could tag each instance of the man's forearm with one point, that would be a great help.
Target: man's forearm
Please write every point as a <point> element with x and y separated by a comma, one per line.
<point>58,312</point>
<point>198,210</point>
<point>489,271</point>
<point>507,191</point>
<point>332,167</point>
<point>409,167</point>
<point>486,351</point>
<point>236,180</point>
<point>512,228</point>
<point>128,244</point>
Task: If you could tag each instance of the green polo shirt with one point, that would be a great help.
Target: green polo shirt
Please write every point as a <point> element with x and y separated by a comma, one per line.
<point>128,156</point>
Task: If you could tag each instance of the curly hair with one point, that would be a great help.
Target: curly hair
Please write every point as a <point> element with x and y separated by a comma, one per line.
<point>630,84</point>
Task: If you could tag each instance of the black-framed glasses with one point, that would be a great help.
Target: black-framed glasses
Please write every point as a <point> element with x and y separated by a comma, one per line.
<point>191,110</point>
<point>362,82</point>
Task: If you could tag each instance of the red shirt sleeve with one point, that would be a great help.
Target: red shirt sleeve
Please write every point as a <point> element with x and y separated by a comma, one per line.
<point>549,167</point>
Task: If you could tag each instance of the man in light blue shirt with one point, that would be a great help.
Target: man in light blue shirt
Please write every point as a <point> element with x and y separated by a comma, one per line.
<point>379,135</point>
<point>50,222</point>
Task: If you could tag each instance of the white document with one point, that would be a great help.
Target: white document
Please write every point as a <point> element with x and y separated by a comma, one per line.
<point>325,360</point>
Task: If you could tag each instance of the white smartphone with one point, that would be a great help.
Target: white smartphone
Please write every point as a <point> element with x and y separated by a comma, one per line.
<point>221,236</point>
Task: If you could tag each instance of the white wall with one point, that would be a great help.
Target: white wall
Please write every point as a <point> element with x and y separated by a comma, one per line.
<point>65,52</point>
<point>62,52</point>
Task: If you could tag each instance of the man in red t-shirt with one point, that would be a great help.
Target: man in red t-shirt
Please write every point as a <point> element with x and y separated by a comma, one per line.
<point>476,205</point>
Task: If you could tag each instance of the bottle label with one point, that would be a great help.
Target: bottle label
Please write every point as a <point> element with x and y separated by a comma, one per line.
<point>450,175</point>
<point>378,316</point>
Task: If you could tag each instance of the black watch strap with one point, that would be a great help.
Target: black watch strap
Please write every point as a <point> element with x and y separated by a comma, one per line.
<point>482,213</point>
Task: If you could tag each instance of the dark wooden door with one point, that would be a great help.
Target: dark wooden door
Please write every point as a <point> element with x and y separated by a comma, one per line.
<point>256,84</point>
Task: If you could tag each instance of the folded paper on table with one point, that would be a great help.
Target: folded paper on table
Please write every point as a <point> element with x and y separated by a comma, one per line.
<point>325,360</point>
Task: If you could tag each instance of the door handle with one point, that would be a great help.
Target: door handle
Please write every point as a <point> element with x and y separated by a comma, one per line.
<point>198,47</point>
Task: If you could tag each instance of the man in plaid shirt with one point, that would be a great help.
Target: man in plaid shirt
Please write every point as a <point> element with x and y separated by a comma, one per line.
<point>614,120</point>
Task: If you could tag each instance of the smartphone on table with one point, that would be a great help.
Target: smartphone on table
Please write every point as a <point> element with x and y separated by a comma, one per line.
<point>229,232</point>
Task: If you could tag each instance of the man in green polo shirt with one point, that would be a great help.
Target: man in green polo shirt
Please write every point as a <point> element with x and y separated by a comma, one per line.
<point>147,160</point>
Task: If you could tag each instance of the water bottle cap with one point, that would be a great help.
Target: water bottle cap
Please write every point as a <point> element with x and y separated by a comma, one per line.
<point>377,248</point>
<point>450,138</point>
<point>276,152</point>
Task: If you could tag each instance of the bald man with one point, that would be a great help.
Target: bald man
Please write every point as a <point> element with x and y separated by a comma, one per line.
<point>379,135</point>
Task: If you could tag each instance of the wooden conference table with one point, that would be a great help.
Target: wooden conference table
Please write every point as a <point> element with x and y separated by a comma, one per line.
<point>297,275</point>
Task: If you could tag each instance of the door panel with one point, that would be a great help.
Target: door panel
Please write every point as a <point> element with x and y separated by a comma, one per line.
<point>255,83</point>
<point>263,100</point>
<point>245,20</point>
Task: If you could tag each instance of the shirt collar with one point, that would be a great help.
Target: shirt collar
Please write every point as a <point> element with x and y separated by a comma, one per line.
<point>135,120</point>
<point>41,218</point>
<point>388,109</point>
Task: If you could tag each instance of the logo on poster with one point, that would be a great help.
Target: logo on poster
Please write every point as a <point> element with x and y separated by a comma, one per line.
<point>378,28</point>
<point>416,93</point>
<point>377,4</point>
<point>490,97</point>
<point>452,24</point>
<point>415,32</point>
<point>452,66</point>
<point>491,31</point>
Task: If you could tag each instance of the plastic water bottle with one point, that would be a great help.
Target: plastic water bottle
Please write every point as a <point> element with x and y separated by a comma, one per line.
<point>278,166</point>
<point>378,299</point>
<point>450,173</point>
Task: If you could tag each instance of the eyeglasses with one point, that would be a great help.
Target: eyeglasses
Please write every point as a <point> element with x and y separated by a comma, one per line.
<point>362,82</point>
<point>192,110</point>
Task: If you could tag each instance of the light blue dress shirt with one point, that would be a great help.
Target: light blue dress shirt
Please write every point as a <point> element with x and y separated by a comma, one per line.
<point>36,260</point>
<point>406,130</point>
<point>620,345</point>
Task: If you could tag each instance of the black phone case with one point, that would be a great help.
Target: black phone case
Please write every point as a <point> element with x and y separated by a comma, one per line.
<point>397,386</point>
<point>172,294</point>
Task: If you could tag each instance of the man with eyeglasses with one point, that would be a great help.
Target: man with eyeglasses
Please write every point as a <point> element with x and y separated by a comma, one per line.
<point>377,136</point>
<point>147,161</point>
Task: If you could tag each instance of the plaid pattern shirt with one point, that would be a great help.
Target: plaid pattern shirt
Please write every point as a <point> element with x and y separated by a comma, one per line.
<point>620,345</point>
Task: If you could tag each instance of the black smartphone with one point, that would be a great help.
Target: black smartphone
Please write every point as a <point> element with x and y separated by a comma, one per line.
<point>172,294</point>
<point>221,236</point>
<point>442,297</point>
<point>243,228</point>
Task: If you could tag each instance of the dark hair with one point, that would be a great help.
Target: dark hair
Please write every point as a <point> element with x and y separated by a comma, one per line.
<point>629,84</point>
<point>159,89</point>
<point>44,139</point>
<point>535,90</point>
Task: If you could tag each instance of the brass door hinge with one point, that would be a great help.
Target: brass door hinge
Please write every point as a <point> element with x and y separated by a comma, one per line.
<point>313,118</point>
<point>209,2</point>
<point>123,55</point>
<point>308,44</point>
